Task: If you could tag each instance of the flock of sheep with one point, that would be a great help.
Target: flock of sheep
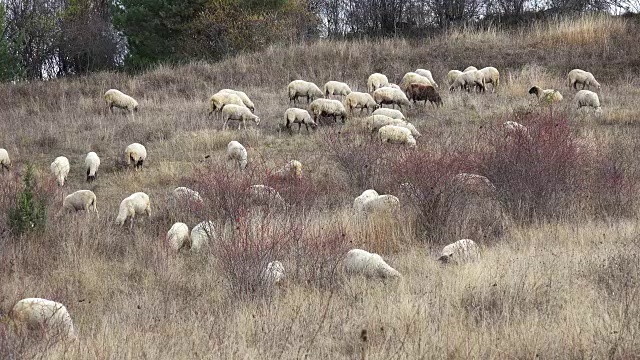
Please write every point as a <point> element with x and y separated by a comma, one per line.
<point>390,125</point>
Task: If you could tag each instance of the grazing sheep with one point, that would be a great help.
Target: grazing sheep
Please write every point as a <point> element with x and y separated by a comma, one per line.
<point>79,200</point>
<point>120,100</point>
<point>5,162</point>
<point>391,96</point>
<point>577,76</point>
<point>371,265</point>
<point>290,171</point>
<point>201,234</point>
<point>328,107</point>
<point>336,88</point>
<point>420,92</point>
<point>136,204</point>
<point>219,100</point>
<point>473,183</point>
<point>512,128</point>
<point>136,154</point>
<point>262,195</point>
<point>60,169</point>
<point>461,251</point>
<point>587,98</point>
<point>547,96</point>
<point>273,273</point>
<point>468,80</point>
<point>381,204</point>
<point>360,100</point>
<point>298,116</point>
<point>358,202</point>
<point>32,314</point>
<point>301,88</point>
<point>376,81</point>
<point>393,134</point>
<point>391,85</point>
<point>240,113</point>
<point>452,76</point>
<point>243,96</point>
<point>91,163</point>
<point>428,75</point>
<point>491,76</point>
<point>413,78</point>
<point>471,68</point>
<point>178,236</point>
<point>392,113</point>
<point>183,197</point>
<point>237,152</point>
<point>375,122</point>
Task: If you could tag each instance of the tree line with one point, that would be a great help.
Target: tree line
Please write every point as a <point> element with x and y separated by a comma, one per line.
<point>40,39</point>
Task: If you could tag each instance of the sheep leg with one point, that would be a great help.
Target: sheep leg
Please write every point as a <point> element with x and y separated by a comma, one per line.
<point>300,127</point>
<point>307,126</point>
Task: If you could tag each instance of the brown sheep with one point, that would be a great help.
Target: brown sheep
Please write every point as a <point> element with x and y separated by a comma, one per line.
<point>420,92</point>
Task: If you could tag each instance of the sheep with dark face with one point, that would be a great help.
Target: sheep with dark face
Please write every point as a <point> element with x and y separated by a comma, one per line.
<point>135,154</point>
<point>546,96</point>
<point>461,251</point>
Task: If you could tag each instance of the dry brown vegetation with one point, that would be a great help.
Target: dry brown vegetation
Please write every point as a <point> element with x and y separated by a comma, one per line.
<point>559,271</point>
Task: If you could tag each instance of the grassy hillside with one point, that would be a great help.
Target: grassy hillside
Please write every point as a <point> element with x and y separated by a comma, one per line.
<point>558,276</point>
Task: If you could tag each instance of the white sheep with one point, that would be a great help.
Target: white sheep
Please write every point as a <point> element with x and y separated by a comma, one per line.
<point>358,202</point>
<point>375,122</point>
<point>219,100</point>
<point>452,76</point>
<point>392,113</point>
<point>336,88</point>
<point>240,113</point>
<point>328,107</point>
<point>183,197</point>
<point>371,265</point>
<point>178,236</point>
<point>461,251</point>
<point>491,76</point>
<point>79,200</point>
<point>587,98</point>
<point>546,96</point>
<point>391,96</point>
<point>237,153</point>
<point>135,154</point>
<point>360,100</point>
<point>376,81</point>
<point>469,80</point>
<point>428,75</point>
<point>413,78</point>
<point>393,134</point>
<point>32,314</point>
<point>585,78</point>
<point>262,195</point>
<point>60,169</point>
<point>381,204</point>
<point>290,171</point>
<point>5,162</point>
<point>243,96</point>
<point>135,204</point>
<point>471,68</point>
<point>301,88</point>
<point>201,234</point>
<point>512,128</point>
<point>120,100</point>
<point>298,116</point>
<point>391,85</point>
<point>91,163</point>
<point>273,273</point>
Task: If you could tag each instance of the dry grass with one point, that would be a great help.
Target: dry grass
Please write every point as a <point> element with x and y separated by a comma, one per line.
<point>562,284</point>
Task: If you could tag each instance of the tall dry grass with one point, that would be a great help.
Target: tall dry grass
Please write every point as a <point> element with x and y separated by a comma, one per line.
<point>559,282</point>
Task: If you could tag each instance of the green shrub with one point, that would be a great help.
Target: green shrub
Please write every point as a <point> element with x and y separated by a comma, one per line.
<point>29,212</point>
